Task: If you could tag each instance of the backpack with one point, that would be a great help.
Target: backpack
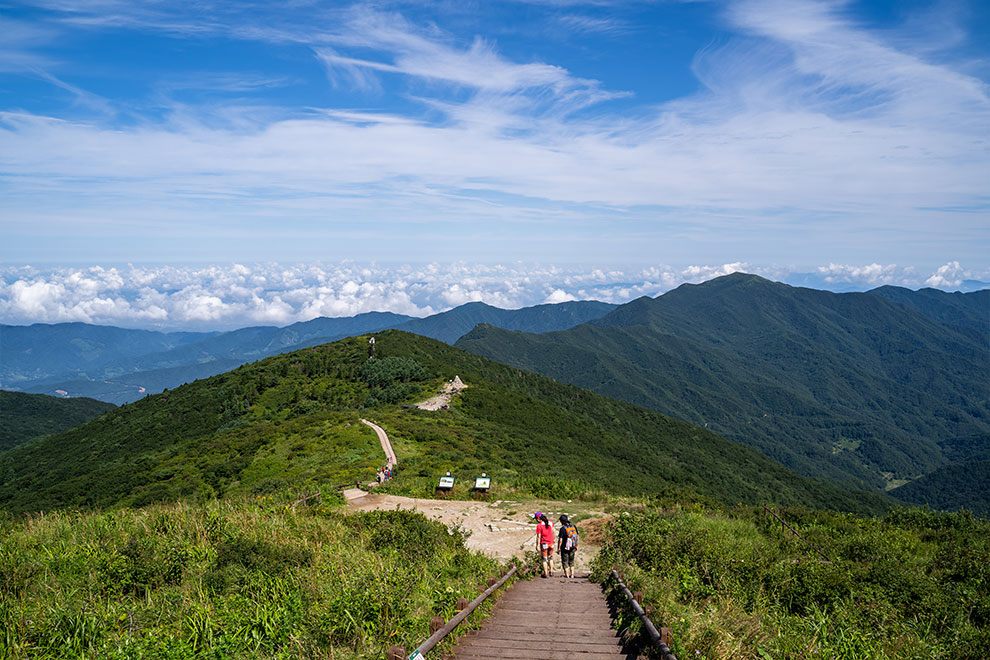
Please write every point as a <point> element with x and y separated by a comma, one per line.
<point>572,537</point>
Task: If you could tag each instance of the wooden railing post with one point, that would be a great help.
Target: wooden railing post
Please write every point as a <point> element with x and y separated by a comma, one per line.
<point>397,653</point>
<point>461,604</point>
<point>659,638</point>
<point>436,623</point>
<point>464,609</point>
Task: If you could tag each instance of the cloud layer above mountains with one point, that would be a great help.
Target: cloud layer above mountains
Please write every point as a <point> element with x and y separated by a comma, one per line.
<point>221,297</point>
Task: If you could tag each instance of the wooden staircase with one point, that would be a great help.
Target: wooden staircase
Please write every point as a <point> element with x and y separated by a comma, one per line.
<point>546,619</point>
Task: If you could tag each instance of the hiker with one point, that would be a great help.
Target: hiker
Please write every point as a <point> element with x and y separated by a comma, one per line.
<point>567,542</point>
<point>544,542</point>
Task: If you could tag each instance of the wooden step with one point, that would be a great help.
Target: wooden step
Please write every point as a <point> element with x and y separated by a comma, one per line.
<point>546,619</point>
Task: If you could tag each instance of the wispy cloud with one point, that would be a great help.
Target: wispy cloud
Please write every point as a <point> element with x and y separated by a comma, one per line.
<point>806,118</point>
<point>581,23</point>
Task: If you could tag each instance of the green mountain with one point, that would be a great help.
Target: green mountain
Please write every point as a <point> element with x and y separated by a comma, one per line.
<point>951,487</point>
<point>291,421</point>
<point>39,352</point>
<point>452,325</point>
<point>83,359</point>
<point>27,416</point>
<point>847,386</point>
<point>965,309</point>
<point>247,344</point>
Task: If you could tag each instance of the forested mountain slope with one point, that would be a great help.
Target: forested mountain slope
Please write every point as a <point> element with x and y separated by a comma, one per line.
<point>27,416</point>
<point>119,366</point>
<point>967,309</point>
<point>38,352</point>
<point>452,325</point>
<point>849,386</point>
<point>291,420</point>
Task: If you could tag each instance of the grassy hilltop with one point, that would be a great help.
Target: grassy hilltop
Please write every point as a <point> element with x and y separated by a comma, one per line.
<point>291,421</point>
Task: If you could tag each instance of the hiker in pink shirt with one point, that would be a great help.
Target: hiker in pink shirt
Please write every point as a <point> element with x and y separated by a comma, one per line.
<point>544,542</point>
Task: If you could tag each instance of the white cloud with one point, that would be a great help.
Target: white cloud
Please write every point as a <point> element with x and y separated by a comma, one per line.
<point>226,297</point>
<point>872,274</point>
<point>559,296</point>
<point>948,276</point>
<point>702,273</point>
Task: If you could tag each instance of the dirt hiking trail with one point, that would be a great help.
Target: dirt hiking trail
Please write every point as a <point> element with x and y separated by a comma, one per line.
<point>442,400</point>
<point>500,529</point>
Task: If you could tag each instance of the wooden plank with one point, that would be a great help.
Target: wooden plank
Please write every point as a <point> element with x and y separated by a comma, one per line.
<point>553,619</point>
<point>502,643</point>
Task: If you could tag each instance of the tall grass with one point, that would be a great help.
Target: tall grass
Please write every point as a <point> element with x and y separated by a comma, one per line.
<point>914,584</point>
<point>227,579</point>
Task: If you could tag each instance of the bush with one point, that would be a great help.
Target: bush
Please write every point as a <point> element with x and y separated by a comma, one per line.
<point>911,580</point>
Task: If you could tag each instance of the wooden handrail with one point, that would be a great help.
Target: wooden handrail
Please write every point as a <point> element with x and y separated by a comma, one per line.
<point>651,630</point>
<point>318,495</point>
<point>811,545</point>
<point>448,627</point>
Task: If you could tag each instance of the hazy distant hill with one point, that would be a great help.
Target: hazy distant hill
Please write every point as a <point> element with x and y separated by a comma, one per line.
<point>290,419</point>
<point>44,351</point>
<point>80,359</point>
<point>27,416</point>
<point>847,386</point>
<point>247,344</point>
<point>452,325</point>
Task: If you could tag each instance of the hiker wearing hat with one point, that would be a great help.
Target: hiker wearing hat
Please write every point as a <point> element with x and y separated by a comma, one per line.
<point>544,542</point>
<point>567,542</point>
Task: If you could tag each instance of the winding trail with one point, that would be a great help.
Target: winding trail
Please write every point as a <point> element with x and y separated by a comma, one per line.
<point>386,443</point>
<point>499,529</point>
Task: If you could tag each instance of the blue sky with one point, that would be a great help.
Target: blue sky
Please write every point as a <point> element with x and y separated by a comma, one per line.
<point>785,135</point>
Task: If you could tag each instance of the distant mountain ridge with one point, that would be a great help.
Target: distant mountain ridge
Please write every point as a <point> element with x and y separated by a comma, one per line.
<point>967,309</point>
<point>852,386</point>
<point>83,359</point>
<point>450,326</point>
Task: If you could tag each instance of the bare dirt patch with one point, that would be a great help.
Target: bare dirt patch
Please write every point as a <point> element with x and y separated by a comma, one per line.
<point>592,530</point>
<point>442,400</point>
<point>500,529</point>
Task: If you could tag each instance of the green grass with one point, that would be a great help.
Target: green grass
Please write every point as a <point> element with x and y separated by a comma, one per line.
<point>241,578</point>
<point>913,584</point>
